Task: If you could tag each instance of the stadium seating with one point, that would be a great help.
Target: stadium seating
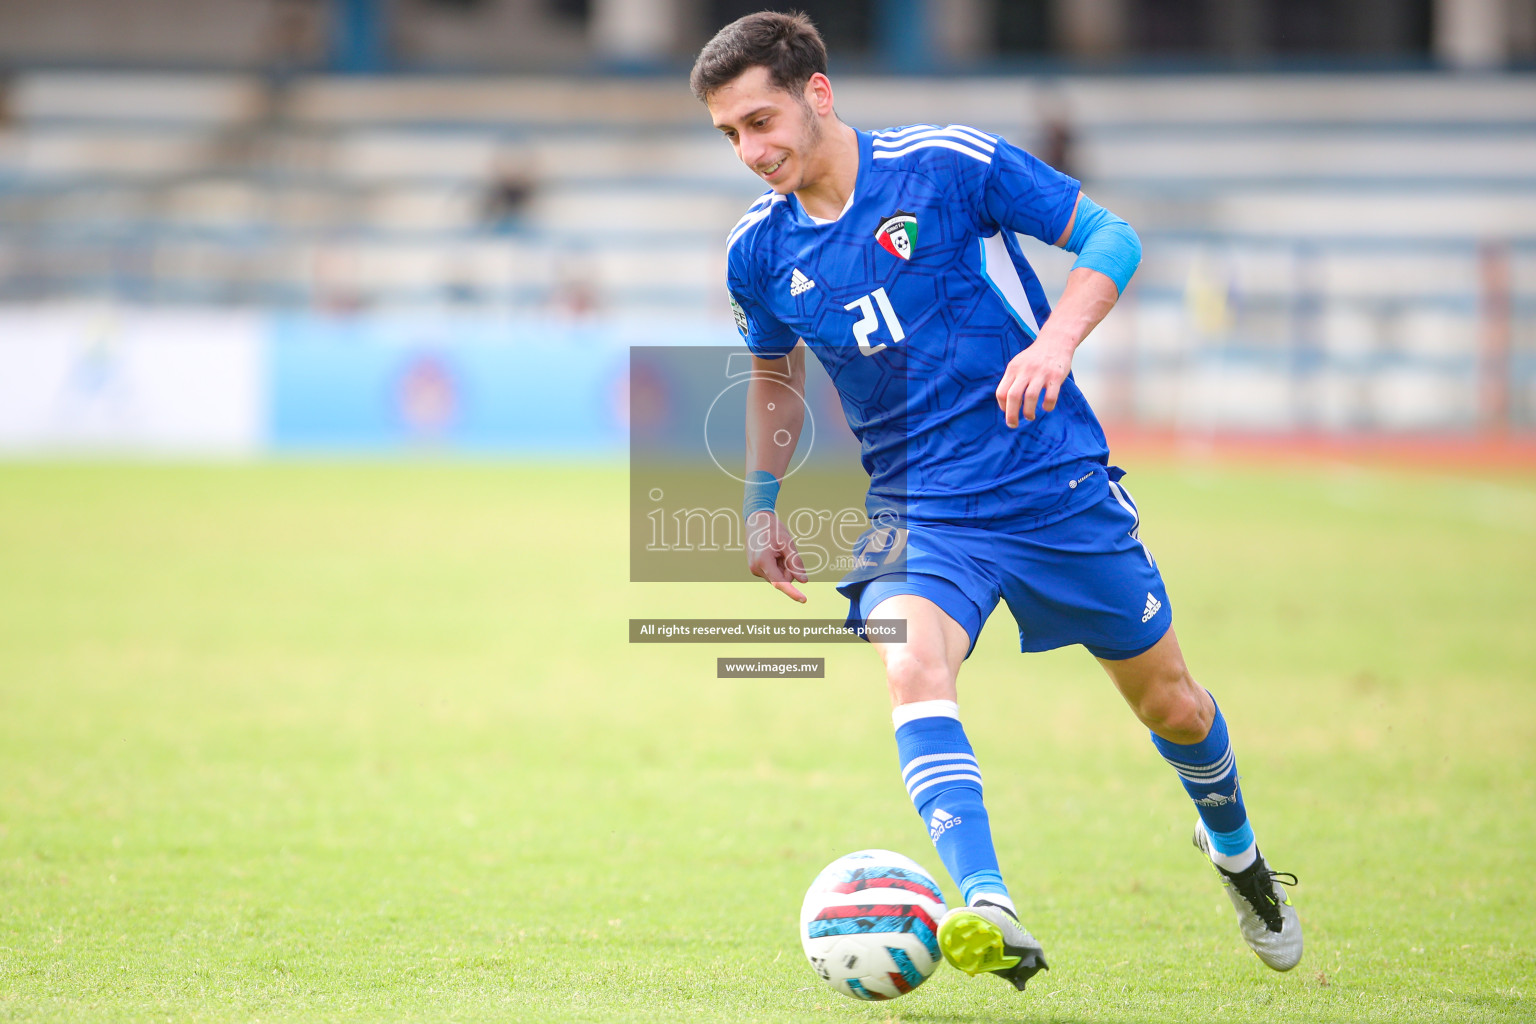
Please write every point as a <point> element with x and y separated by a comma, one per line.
<point>1338,215</point>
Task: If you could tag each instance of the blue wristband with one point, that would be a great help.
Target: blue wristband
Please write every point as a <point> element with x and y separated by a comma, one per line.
<point>1104,243</point>
<point>762,493</point>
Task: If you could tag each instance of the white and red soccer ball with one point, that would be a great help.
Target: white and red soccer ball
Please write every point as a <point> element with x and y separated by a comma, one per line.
<point>870,924</point>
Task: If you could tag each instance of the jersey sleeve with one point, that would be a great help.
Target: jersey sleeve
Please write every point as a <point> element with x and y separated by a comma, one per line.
<point>766,337</point>
<point>1023,193</point>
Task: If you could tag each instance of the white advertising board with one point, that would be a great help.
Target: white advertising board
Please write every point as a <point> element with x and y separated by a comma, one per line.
<point>135,381</point>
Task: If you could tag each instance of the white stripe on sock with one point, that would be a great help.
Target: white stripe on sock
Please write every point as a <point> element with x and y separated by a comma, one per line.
<point>906,769</point>
<point>971,776</point>
<point>901,714</point>
<point>1204,773</point>
<point>948,766</point>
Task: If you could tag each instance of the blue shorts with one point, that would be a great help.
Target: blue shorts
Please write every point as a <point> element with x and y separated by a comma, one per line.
<point>1086,579</point>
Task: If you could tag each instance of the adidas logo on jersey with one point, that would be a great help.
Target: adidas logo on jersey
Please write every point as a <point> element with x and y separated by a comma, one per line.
<point>799,283</point>
<point>1153,606</point>
<point>941,822</point>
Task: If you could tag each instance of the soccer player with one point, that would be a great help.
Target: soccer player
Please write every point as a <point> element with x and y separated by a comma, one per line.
<point>892,255</point>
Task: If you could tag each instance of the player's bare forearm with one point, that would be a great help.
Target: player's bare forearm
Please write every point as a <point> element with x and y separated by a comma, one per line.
<point>775,411</point>
<point>775,416</point>
<point>1086,301</point>
<point>1034,377</point>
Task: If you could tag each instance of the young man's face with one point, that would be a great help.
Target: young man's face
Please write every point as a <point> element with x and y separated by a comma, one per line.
<point>774,132</point>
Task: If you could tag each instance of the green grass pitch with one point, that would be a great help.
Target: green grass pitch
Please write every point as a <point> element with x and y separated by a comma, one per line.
<point>352,741</point>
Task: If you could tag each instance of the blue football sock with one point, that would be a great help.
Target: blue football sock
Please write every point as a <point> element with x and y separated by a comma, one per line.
<point>1208,770</point>
<point>944,781</point>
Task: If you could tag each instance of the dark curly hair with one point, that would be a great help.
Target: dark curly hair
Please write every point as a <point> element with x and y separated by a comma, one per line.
<point>788,45</point>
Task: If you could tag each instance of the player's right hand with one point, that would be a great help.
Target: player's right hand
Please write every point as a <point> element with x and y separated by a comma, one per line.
<point>771,554</point>
<point>1032,381</point>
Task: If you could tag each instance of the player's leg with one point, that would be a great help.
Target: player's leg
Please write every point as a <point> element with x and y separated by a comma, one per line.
<point>1088,579</point>
<point>938,765</point>
<point>943,777</point>
<point>1190,733</point>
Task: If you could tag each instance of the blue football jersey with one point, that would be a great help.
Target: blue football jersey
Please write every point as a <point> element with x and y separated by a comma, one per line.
<point>914,300</point>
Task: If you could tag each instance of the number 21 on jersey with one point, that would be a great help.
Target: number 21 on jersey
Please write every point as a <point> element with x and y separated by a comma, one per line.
<point>869,320</point>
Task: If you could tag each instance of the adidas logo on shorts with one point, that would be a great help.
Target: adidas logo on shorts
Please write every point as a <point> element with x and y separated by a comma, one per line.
<point>1153,606</point>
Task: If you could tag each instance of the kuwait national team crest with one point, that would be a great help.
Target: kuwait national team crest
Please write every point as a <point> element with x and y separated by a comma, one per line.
<point>897,234</point>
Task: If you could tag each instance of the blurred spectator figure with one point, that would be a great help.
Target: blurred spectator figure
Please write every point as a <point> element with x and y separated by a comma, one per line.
<point>1058,139</point>
<point>576,298</point>
<point>575,295</point>
<point>1208,298</point>
<point>5,100</point>
<point>509,192</point>
<point>334,277</point>
<point>293,41</point>
<point>293,46</point>
<point>290,45</point>
<point>459,286</point>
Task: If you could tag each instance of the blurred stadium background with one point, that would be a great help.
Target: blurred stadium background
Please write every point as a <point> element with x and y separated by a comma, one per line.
<point>252,226</point>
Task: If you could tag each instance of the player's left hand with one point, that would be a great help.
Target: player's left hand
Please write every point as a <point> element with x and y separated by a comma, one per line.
<point>1035,373</point>
<point>771,554</point>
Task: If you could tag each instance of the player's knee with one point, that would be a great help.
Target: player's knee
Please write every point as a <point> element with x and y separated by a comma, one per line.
<point>1177,710</point>
<point>916,674</point>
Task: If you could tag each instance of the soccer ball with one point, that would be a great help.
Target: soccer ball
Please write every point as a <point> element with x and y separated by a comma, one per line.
<point>870,923</point>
